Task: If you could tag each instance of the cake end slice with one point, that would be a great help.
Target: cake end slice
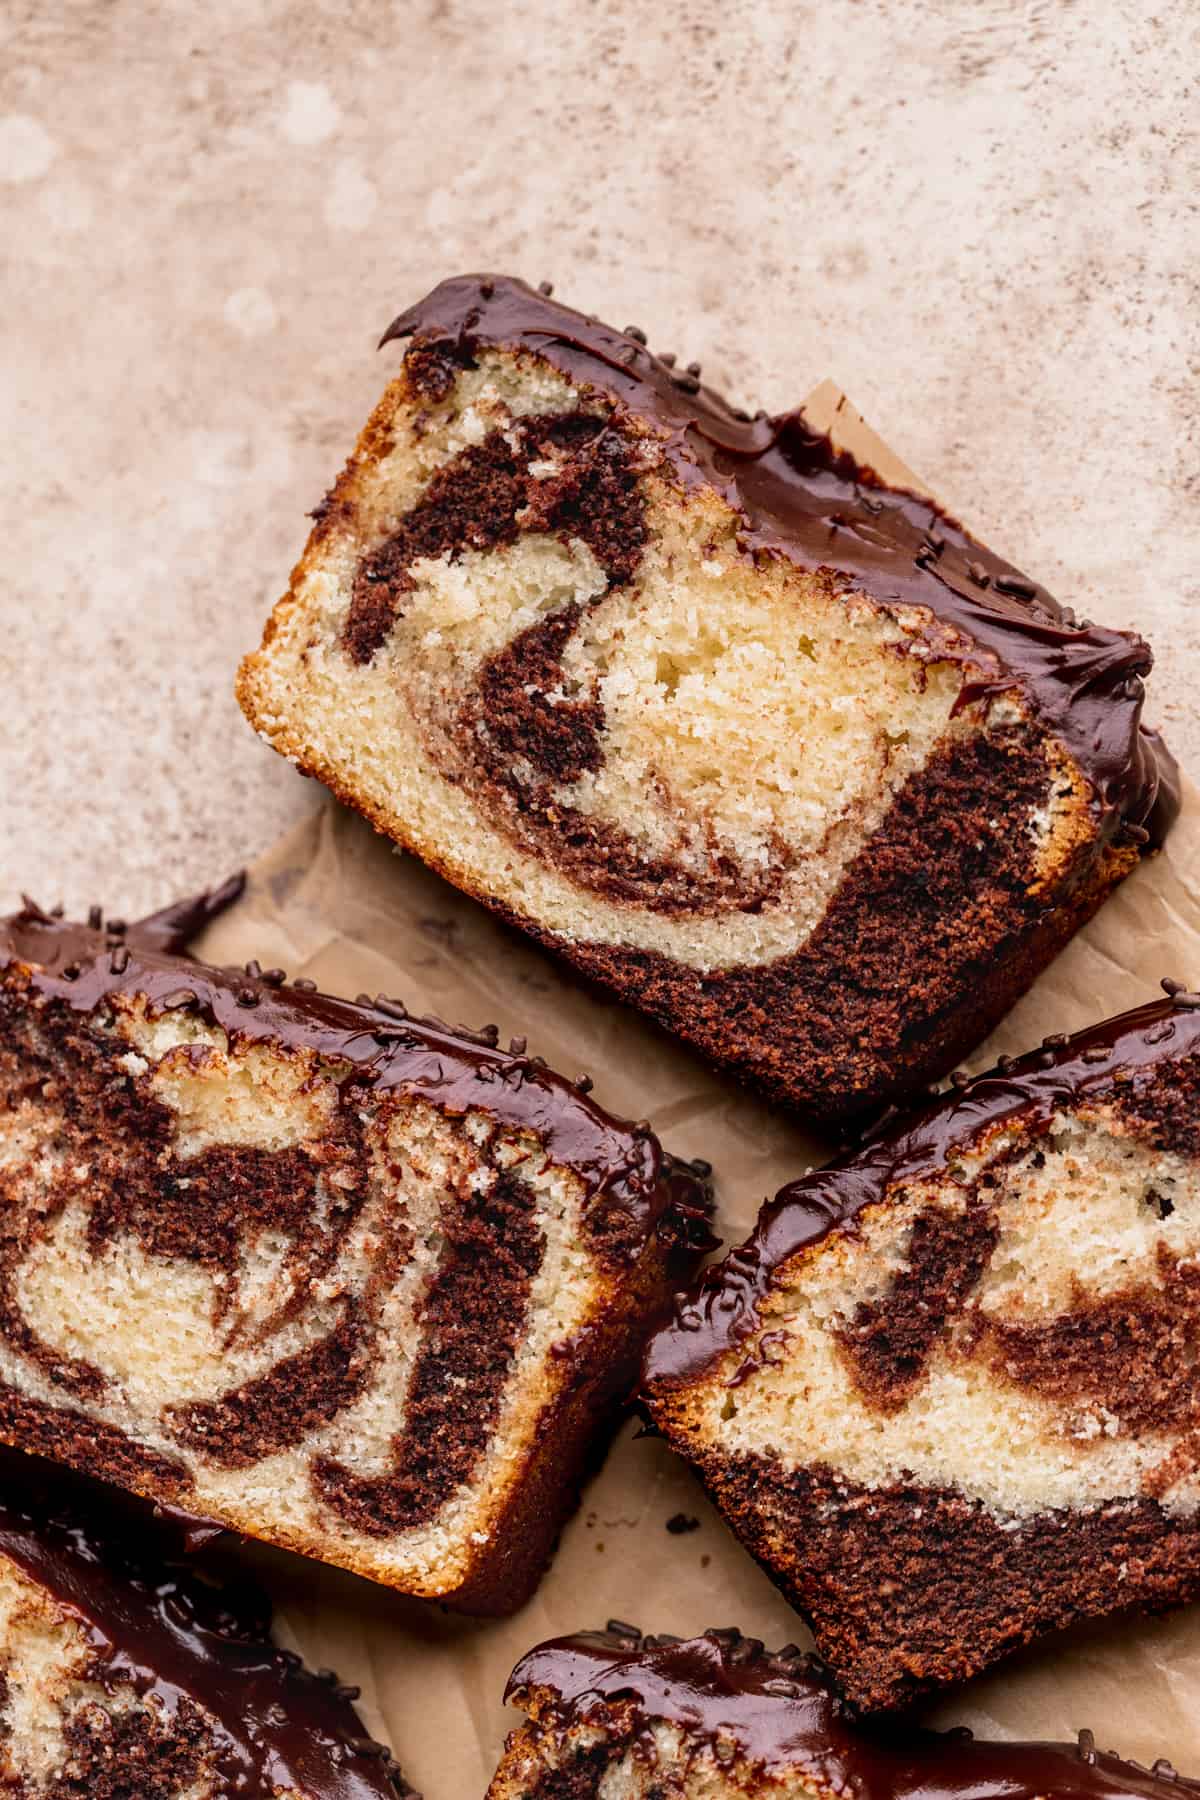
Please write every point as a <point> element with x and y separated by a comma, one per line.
<point>719,1718</point>
<point>947,1393</point>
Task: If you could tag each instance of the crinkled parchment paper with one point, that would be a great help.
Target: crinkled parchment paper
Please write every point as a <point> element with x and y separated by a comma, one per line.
<point>334,902</point>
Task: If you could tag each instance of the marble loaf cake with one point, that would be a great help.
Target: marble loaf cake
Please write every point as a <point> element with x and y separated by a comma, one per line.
<point>350,1282</point>
<point>125,1676</point>
<point>949,1392</point>
<point>779,754</point>
<point>717,1718</point>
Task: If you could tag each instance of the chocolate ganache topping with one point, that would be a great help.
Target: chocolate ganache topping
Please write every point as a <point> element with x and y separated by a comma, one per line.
<point>782,1710</point>
<point>383,1049</point>
<point>799,497</point>
<point>173,927</point>
<point>1115,1055</point>
<point>156,1627</point>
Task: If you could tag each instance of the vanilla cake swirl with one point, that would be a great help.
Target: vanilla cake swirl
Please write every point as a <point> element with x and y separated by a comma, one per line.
<point>124,1675</point>
<point>781,755</point>
<point>613,1715</point>
<point>948,1392</point>
<point>351,1282</point>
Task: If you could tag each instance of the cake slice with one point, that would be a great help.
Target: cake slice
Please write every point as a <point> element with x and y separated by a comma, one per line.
<point>717,1718</point>
<point>949,1391</point>
<point>125,1676</point>
<point>357,1284</point>
<point>780,755</point>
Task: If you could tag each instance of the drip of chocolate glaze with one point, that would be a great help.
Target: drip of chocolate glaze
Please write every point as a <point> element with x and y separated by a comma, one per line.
<point>722,1310</point>
<point>172,928</point>
<point>782,1711</point>
<point>75,966</point>
<point>159,1629</point>
<point>800,498</point>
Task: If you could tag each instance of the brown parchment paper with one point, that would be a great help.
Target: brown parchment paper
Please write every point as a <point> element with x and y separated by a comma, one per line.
<point>334,902</point>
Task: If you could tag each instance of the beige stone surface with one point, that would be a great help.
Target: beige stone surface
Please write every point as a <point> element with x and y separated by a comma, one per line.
<point>978,216</point>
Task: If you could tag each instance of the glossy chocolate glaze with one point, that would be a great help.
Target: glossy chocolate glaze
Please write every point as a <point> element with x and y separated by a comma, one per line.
<point>800,498</point>
<point>781,1710</point>
<point>173,927</point>
<point>156,1627</point>
<point>83,967</point>
<point>722,1310</point>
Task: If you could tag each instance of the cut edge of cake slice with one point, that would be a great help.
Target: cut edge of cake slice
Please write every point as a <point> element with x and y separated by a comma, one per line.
<point>359,1284</point>
<point>128,1674</point>
<point>717,1717</point>
<point>946,1391</point>
<point>779,754</point>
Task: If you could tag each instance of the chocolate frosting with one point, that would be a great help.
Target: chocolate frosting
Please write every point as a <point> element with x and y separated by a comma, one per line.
<point>799,497</point>
<point>82,966</point>
<point>156,1627</point>
<point>722,1310</point>
<point>782,1710</point>
<point>173,927</point>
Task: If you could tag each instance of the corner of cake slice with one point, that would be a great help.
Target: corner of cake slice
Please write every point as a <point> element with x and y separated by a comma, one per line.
<point>124,1675</point>
<point>357,1284</point>
<point>716,1717</point>
<point>779,754</point>
<point>947,1393</point>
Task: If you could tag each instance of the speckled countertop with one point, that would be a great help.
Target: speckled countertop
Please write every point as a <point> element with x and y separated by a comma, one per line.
<point>979,217</point>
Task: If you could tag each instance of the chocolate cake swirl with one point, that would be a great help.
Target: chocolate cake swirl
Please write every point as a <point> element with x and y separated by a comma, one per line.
<point>719,1716</point>
<point>689,695</point>
<point>946,1392</point>
<point>128,1676</point>
<point>258,1239</point>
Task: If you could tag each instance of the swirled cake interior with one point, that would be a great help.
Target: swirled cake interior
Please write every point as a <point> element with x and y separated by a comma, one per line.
<point>948,1393</point>
<point>535,637</point>
<point>338,1279</point>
